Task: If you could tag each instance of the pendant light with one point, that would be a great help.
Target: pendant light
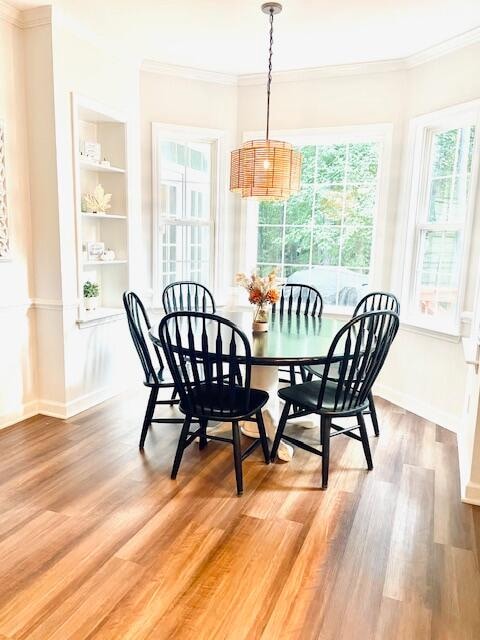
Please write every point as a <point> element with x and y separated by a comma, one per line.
<point>266,169</point>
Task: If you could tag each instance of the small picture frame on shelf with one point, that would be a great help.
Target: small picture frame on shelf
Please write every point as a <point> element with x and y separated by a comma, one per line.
<point>95,251</point>
<point>91,151</point>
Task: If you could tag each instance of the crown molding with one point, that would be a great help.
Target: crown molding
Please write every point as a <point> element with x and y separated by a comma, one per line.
<point>37,17</point>
<point>191,73</point>
<point>10,14</point>
<point>443,48</point>
<point>328,71</point>
<point>27,19</point>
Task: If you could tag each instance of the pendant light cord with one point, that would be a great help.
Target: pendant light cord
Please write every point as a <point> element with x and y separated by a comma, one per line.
<point>269,80</point>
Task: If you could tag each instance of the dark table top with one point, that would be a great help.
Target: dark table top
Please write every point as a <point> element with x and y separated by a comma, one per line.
<point>290,339</point>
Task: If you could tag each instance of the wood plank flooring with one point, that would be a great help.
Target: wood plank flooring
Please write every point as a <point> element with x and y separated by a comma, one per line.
<point>96,541</point>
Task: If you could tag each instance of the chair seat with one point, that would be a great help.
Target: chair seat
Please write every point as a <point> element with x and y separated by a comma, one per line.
<point>218,401</point>
<point>306,395</point>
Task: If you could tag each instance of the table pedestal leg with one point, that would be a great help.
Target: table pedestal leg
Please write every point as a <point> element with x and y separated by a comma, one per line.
<point>266,378</point>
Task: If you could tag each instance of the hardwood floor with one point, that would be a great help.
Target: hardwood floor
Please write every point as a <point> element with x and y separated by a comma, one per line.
<point>96,541</point>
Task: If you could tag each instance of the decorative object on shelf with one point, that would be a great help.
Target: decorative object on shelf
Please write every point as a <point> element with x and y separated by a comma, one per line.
<point>4,236</point>
<point>266,169</point>
<point>91,150</point>
<point>108,255</point>
<point>98,201</point>
<point>95,250</point>
<point>91,291</point>
<point>262,292</point>
<point>105,163</point>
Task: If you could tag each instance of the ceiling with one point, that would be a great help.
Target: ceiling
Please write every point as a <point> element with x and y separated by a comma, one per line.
<point>232,36</point>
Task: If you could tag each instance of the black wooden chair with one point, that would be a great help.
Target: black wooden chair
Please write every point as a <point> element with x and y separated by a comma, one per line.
<point>374,301</point>
<point>187,296</point>
<point>156,375</point>
<point>203,352</point>
<point>357,354</point>
<point>298,299</point>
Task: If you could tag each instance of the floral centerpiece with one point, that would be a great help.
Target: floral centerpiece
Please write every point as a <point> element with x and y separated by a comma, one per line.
<point>261,292</point>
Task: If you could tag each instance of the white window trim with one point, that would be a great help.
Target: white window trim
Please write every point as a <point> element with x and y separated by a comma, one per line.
<point>409,202</point>
<point>382,133</point>
<point>216,137</point>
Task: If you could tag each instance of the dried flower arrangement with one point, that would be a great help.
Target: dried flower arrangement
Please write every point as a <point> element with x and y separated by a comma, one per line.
<point>261,292</point>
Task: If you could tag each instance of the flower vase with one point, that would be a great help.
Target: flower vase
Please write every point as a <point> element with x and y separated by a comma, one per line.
<point>260,319</point>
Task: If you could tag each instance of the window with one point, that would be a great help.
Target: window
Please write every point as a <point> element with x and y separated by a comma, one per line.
<point>323,236</point>
<point>440,206</point>
<point>184,194</point>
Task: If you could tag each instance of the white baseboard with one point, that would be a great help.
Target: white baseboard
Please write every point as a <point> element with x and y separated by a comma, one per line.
<point>82,403</point>
<point>60,410</point>
<point>471,493</point>
<point>25,411</point>
<point>425,410</point>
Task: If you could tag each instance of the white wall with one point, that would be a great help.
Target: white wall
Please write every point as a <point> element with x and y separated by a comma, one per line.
<point>181,101</point>
<point>17,323</point>
<point>99,360</point>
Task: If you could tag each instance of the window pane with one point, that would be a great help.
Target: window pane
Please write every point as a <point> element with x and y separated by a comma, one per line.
<point>331,163</point>
<point>308,163</point>
<point>270,212</point>
<point>198,162</point>
<point>360,202</point>
<point>326,245</point>
<point>270,244</point>
<point>438,273</point>
<point>356,246</point>
<point>362,163</point>
<point>171,199</point>
<point>329,204</point>
<point>299,206</point>
<point>198,201</point>
<point>297,245</point>
<point>450,174</point>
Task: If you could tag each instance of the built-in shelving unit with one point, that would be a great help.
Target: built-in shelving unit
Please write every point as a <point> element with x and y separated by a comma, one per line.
<point>94,123</point>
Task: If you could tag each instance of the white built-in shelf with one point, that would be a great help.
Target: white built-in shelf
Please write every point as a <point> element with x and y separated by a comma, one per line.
<point>95,166</point>
<point>102,314</point>
<point>88,263</point>
<point>104,216</point>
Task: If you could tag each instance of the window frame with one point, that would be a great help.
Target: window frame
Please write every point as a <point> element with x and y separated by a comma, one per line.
<point>381,133</point>
<point>215,137</point>
<point>413,202</point>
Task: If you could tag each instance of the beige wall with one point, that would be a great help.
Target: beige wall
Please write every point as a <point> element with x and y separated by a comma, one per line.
<point>17,323</point>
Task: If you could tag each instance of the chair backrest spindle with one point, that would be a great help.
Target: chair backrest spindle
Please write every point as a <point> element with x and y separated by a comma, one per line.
<point>187,296</point>
<point>357,354</point>
<point>139,324</point>
<point>299,299</point>
<point>204,353</point>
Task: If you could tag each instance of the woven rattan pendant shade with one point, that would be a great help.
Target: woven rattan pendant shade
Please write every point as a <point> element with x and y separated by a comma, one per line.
<point>265,169</point>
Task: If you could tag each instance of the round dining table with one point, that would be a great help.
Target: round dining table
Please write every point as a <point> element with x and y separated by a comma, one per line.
<point>290,340</point>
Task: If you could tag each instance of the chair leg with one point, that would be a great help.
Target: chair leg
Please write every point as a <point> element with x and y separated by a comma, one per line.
<point>293,377</point>
<point>203,434</point>
<point>365,443</point>
<point>181,446</point>
<point>237,457</point>
<point>373,414</point>
<point>174,395</point>
<point>280,430</point>
<point>263,437</point>
<point>325,422</point>
<point>147,421</point>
